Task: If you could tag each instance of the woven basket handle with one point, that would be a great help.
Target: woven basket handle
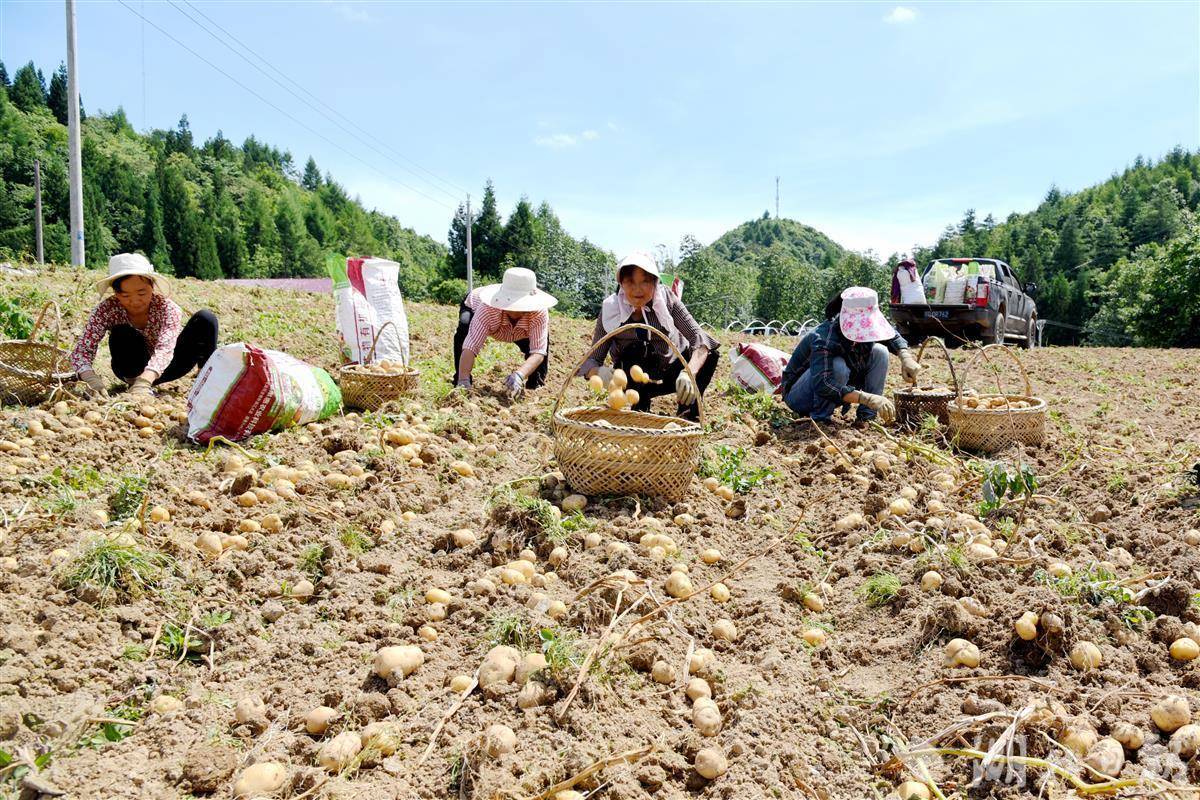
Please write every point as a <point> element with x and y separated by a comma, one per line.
<point>982,353</point>
<point>945,352</point>
<point>37,325</point>
<point>632,327</point>
<point>375,343</point>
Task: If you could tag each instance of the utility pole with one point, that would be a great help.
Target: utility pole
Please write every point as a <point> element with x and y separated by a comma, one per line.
<point>470,266</point>
<point>37,208</point>
<point>74,160</point>
<point>776,197</point>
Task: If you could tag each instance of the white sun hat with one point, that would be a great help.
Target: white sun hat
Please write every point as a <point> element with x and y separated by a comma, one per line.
<point>860,318</point>
<point>642,260</point>
<point>518,292</point>
<point>124,265</point>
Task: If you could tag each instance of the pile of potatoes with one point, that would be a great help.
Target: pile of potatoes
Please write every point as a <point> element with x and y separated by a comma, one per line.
<point>381,367</point>
<point>994,402</point>
<point>620,396</point>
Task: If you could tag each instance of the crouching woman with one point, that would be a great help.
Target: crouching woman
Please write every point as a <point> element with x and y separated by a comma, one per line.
<point>641,298</point>
<point>146,338</point>
<point>845,360</point>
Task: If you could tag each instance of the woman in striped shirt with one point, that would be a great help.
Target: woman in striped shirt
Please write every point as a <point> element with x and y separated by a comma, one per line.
<point>641,298</point>
<point>146,337</point>
<point>513,311</point>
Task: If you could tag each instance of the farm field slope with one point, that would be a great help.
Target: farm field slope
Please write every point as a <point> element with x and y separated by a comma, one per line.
<point>836,660</point>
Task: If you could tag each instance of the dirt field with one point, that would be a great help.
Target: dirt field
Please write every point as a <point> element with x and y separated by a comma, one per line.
<point>173,672</point>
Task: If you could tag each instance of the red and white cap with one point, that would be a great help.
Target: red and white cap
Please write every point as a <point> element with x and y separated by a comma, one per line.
<point>860,318</point>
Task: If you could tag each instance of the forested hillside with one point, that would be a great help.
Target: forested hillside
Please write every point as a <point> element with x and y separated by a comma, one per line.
<point>1119,261</point>
<point>206,210</point>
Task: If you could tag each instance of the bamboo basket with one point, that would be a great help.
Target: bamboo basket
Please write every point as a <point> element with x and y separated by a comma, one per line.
<point>369,391</point>
<point>602,451</point>
<point>989,430</point>
<point>912,406</point>
<point>32,372</point>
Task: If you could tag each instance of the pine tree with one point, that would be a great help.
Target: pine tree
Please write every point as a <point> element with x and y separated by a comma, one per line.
<point>28,90</point>
<point>227,227</point>
<point>486,233</point>
<point>456,259</point>
<point>57,99</point>
<point>319,223</point>
<point>312,176</point>
<point>1069,253</point>
<point>208,262</point>
<point>152,242</point>
<point>4,82</point>
<point>259,224</point>
<point>520,234</point>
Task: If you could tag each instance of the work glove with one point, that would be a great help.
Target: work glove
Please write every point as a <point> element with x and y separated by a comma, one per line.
<point>94,383</point>
<point>879,404</point>
<point>685,390</point>
<point>140,389</point>
<point>909,366</point>
<point>514,386</point>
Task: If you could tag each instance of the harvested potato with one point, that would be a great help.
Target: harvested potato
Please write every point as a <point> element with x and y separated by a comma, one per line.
<point>711,763</point>
<point>702,660</point>
<point>813,602</point>
<point>706,717</point>
<point>463,468</point>
<point>499,667</point>
<point>159,514</point>
<point>1185,742</point>
<point>931,581</point>
<point>302,590</point>
<point>574,502</point>
<point>1026,626</point>
<point>597,383</point>
<point>499,739</point>
<point>165,704</point>
<point>662,672</point>
<point>912,790</point>
<point>398,661</point>
<point>337,753</point>
<point>1085,656</point>
<point>1079,738</point>
<point>263,778</point>
<point>437,596</point>
<point>1184,649</point>
<point>317,721</point>
<point>710,555</point>
<point>383,737</point>
<point>460,683</point>
<point>1130,736</point>
<point>1171,713</point>
<point>248,709</point>
<point>1106,756</point>
<point>961,653</point>
<point>678,584</point>
<point>720,593</point>
<point>725,630</point>
<point>814,637</point>
<point>697,688</point>
<point>619,380</point>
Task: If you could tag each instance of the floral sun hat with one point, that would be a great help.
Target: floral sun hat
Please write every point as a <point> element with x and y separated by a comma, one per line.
<point>860,318</point>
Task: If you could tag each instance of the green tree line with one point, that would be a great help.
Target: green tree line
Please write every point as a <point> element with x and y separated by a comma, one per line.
<point>210,210</point>
<point>1119,261</point>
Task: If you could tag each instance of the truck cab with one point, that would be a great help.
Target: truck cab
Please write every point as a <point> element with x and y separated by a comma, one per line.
<point>995,308</point>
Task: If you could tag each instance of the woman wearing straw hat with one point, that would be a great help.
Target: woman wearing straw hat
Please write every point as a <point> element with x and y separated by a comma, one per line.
<point>148,345</point>
<point>640,297</point>
<point>516,311</point>
<point>845,360</point>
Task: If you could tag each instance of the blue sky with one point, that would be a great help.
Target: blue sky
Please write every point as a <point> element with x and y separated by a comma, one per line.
<point>639,123</point>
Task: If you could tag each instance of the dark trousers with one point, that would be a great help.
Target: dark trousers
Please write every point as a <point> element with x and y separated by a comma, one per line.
<point>195,344</point>
<point>665,369</point>
<point>465,314</point>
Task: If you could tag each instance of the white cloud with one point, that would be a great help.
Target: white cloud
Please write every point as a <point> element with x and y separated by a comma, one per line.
<point>556,141</point>
<point>900,15</point>
<point>590,134</point>
<point>351,12</point>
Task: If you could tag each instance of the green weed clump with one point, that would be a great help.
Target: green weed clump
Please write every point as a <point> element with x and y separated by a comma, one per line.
<point>730,468</point>
<point>116,571</point>
<point>880,589</point>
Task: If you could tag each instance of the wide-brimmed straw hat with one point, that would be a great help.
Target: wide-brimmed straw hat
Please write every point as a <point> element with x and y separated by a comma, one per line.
<point>125,265</point>
<point>642,260</point>
<point>518,292</point>
<point>860,318</point>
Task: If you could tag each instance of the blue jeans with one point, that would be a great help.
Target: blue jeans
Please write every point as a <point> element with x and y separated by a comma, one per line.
<point>804,399</point>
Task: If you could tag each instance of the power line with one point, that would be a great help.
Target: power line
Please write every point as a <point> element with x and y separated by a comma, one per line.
<point>308,128</point>
<point>332,115</point>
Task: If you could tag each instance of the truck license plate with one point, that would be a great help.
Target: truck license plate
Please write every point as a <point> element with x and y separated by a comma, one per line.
<point>938,314</point>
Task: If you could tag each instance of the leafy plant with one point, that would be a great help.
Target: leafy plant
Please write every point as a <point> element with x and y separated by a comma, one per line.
<point>122,571</point>
<point>1002,481</point>
<point>355,539</point>
<point>183,642</point>
<point>531,515</point>
<point>127,499</point>
<point>879,589</point>
<point>729,466</point>
<point>1099,587</point>
<point>14,322</point>
<point>111,731</point>
<point>509,629</point>
<point>759,405</point>
<point>312,561</point>
<point>563,653</point>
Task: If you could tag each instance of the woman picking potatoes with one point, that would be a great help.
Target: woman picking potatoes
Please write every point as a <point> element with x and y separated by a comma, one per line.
<point>845,360</point>
<point>642,357</point>
<point>149,346</point>
<point>512,311</point>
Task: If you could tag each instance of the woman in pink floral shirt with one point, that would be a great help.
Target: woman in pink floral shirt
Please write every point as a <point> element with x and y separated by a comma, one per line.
<point>145,337</point>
